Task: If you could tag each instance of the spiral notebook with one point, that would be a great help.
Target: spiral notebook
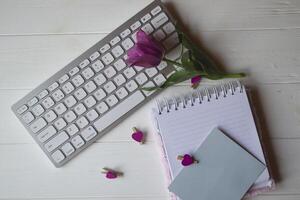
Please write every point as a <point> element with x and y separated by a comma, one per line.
<point>184,122</point>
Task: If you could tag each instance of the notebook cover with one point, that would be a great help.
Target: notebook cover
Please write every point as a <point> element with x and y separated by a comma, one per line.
<point>225,171</point>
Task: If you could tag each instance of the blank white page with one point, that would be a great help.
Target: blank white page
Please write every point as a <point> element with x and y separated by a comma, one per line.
<point>183,130</point>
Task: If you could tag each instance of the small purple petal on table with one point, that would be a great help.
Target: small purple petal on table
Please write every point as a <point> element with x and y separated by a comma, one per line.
<point>111,175</point>
<point>195,79</point>
<point>138,136</point>
<point>187,160</point>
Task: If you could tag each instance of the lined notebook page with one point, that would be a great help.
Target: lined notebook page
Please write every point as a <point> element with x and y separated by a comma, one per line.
<point>183,130</point>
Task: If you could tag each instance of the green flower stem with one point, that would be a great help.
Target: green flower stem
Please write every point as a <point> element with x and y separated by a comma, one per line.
<point>172,62</point>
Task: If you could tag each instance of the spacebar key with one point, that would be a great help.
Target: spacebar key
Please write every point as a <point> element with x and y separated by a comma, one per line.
<point>119,111</point>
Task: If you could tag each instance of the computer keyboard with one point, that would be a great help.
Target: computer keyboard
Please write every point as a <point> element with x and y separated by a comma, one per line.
<point>97,90</point>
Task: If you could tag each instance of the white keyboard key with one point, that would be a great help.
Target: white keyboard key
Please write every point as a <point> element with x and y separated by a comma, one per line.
<point>99,94</point>
<point>121,93</point>
<point>104,48</point>
<point>151,71</point>
<point>138,68</point>
<point>109,87</point>
<point>133,36</point>
<point>38,125</point>
<point>38,110</point>
<point>159,20</point>
<point>107,58</point>
<point>33,101</point>
<point>150,84</point>
<point>156,10</point>
<point>162,65</point>
<point>46,134</point>
<point>112,100</point>
<point>100,79</point>
<point>60,108</point>
<point>68,149</point>
<point>70,101</point>
<point>148,29</point>
<point>125,33</point>
<point>72,129</point>
<point>74,71</point>
<point>63,79</point>
<point>119,79</point>
<point>127,44</point>
<point>58,156</point>
<point>97,66</point>
<point>171,41</point>
<point>22,109</point>
<point>90,86</point>
<point>48,102</point>
<point>117,51</point>
<point>120,64</point>
<point>92,115</point>
<point>50,116</point>
<point>77,141</point>
<point>70,116</point>
<point>88,73</point>
<point>115,40</point>
<point>68,88</point>
<point>141,78</point>
<point>82,122</point>
<point>169,28</point>
<point>89,133</point>
<point>94,56</point>
<point>159,79</point>
<point>118,111</point>
<point>43,94</point>
<point>28,117</point>
<point>56,141</point>
<point>135,25</point>
<point>53,86</point>
<point>79,94</point>
<point>110,72</point>
<point>58,95</point>
<point>79,109</point>
<point>84,63</point>
<point>146,18</point>
<point>60,123</point>
<point>129,72</point>
<point>159,35</point>
<point>90,101</point>
<point>102,107</point>
<point>131,85</point>
<point>77,80</point>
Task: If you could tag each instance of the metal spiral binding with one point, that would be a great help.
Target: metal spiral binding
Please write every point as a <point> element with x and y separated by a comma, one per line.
<point>199,96</point>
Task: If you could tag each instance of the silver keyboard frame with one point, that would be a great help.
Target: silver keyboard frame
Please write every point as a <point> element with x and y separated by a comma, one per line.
<point>76,62</point>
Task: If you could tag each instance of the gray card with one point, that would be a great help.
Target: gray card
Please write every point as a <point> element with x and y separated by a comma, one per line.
<point>225,171</point>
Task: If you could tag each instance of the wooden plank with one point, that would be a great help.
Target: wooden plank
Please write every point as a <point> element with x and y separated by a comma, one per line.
<point>26,172</point>
<point>277,105</point>
<point>258,53</point>
<point>90,16</point>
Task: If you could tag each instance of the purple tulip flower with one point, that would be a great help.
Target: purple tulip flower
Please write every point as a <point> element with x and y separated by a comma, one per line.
<point>146,52</point>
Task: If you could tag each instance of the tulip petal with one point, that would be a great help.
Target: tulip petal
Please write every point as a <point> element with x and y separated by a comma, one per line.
<point>146,52</point>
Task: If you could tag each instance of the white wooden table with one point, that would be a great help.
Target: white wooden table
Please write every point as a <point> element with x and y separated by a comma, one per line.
<point>37,38</point>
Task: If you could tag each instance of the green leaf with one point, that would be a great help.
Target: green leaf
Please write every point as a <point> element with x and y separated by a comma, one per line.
<point>187,62</point>
<point>198,56</point>
<point>175,78</point>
